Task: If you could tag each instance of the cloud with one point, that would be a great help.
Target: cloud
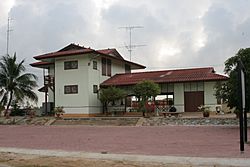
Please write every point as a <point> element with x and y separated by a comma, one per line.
<point>164,25</point>
<point>226,33</point>
<point>177,33</point>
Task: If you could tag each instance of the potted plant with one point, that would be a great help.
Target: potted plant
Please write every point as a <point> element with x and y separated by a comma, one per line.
<point>205,110</point>
<point>58,112</point>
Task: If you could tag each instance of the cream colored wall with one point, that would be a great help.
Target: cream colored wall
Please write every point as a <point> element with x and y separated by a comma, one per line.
<point>209,97</point>
<point>85,102</point>
<point>96,78</point>
<point>117,67</point>
<point>179,96</point>
<point>51,72</point>
<point>72,103</point>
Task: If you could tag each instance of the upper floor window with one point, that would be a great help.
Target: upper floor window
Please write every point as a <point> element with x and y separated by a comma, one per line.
<point>68,65</point>
<point>109,67</point>
<point>95,65</point>
<point>104,64</point>
<point>70,89</point>
<point>127,68</point>
<point>106,67</point>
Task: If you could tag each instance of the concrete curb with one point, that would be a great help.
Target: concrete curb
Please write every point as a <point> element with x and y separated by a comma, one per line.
<point>196,161</point>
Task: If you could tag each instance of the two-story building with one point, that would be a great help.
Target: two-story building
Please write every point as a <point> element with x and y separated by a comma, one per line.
<point>75,74</point>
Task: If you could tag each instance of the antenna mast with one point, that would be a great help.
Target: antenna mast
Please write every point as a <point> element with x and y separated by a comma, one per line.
<point>8,34</point>
<point>130,46</point>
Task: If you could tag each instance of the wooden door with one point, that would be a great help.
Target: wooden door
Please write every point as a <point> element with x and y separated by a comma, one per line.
<point>192,100</point>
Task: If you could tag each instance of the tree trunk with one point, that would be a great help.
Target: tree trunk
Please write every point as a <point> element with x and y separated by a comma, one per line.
<point>7,113</point>
<point>105,108</point>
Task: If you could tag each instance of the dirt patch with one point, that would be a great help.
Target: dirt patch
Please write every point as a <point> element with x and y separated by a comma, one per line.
<point>23,160</point>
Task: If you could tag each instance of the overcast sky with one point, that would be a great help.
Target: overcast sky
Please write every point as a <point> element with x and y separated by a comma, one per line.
<point>177,33</point>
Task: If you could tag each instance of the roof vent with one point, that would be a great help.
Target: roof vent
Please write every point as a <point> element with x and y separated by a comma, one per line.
<point>168,73</point>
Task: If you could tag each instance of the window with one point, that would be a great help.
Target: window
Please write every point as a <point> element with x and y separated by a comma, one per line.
<point>165,99</point>
<point>200,86</point>
<point>70,89</point>
<point>106,67</point>
<point>127,68</point>
<point>95,89</point>
<point>109,67</point>
<point>95,65</point>
<point>194,86</point>
<point>68,65</point>
<point>167,88</point>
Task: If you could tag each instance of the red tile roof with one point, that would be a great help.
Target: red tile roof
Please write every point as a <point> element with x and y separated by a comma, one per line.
<point>107,51</point>
<point>40,64</point>
<point>73,49</point>
<point>111,52</point>
<point>117,56</point>
<point>166,76</point>
<point>71,46</point>
<point>63,53</point>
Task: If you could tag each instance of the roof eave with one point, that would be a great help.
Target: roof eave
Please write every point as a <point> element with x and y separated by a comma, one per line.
<point>161,82</point>
<point>48,56</point>
<point>45,65</point>
<point>134,66</point>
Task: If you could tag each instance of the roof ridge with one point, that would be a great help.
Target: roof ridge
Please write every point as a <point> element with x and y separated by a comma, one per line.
<point>184,69</point>
<point>106,49</point>
<point>64,52</point>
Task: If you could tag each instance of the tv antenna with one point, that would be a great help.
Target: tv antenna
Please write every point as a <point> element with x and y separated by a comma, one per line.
<point>130,47</point>
<point>8,34</point>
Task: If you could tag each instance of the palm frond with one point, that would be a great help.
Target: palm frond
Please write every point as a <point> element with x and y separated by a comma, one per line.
<point>13,79</point>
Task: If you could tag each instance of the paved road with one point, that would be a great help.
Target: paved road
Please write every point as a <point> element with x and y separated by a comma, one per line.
<point>199,141</point>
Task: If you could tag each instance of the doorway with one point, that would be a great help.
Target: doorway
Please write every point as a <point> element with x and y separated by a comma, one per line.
<point>192,100</point>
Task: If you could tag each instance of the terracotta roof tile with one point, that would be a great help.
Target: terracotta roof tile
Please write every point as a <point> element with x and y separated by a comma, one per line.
<point>63,53</point>
<point>166,76</point>
<point>107,51</point>
<point>112,52</point>
<point>72,50</point>
<point>41,63</point>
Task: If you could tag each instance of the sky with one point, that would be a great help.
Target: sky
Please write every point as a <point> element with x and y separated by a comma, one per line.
<point>175,34</point>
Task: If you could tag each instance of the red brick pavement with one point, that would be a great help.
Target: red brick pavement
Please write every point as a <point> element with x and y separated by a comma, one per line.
<point>201,141</point>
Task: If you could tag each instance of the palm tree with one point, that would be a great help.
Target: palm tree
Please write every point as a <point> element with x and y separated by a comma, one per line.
<point>15,83</point>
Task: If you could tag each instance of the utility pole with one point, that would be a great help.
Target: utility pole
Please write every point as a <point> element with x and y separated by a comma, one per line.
<point>242,104</point>
<point>8,35</point>
<point>130,46</point>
